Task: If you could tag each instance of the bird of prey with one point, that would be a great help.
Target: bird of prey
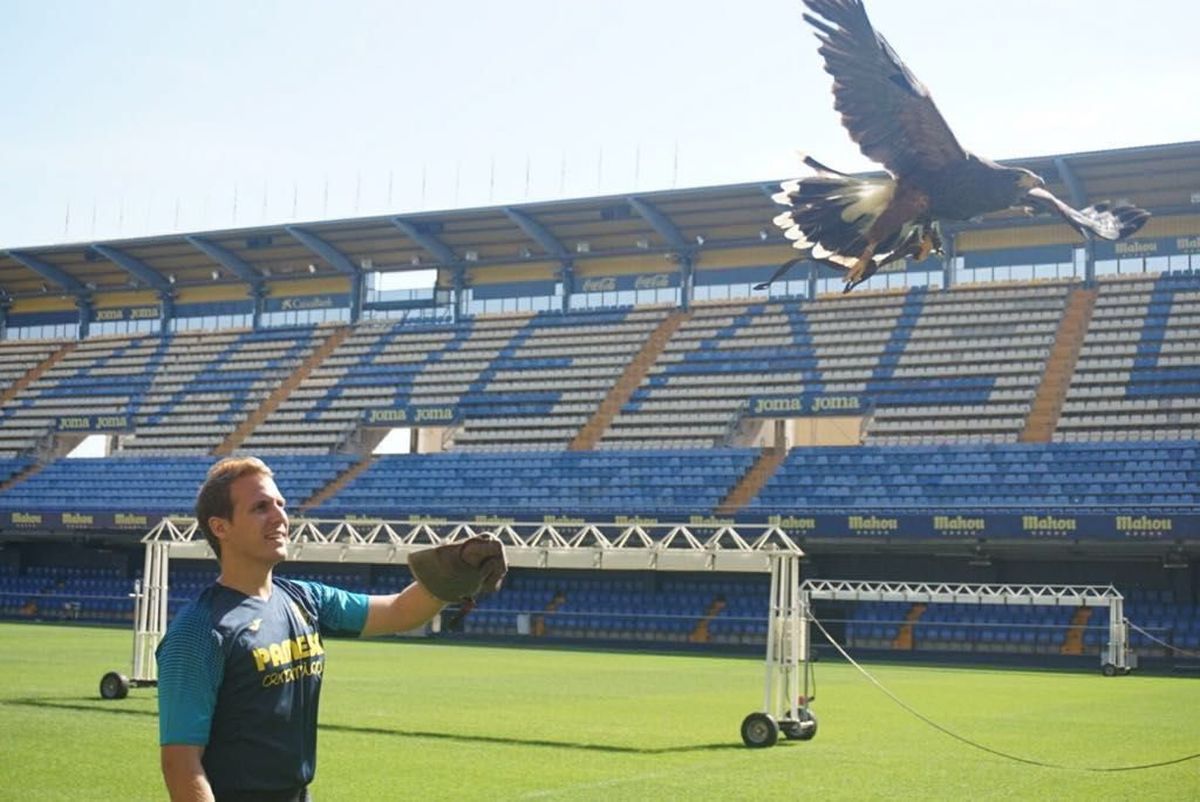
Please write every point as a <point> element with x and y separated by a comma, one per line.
<point>858,225</point>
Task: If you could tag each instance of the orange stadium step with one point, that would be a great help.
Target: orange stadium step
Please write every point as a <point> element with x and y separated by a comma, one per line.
<point>21,477</point>
<point>1073,641</point>
<point>904,638</point>
<point>36,372</point>
<point>1060,367</point>
<point>340,481</point>
<point>700,633</point>
<point>281,393</point>
<point>753,480</point>
<point>538,624</point>
<point>635,372</point>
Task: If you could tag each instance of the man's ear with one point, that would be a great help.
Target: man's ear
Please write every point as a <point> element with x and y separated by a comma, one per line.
<point>217,526</point>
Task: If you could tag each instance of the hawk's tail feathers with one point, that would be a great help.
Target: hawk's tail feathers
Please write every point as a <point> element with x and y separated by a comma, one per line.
<point>831,209</point>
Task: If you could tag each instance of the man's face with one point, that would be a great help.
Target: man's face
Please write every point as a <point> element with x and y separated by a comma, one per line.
<point>257,532</point>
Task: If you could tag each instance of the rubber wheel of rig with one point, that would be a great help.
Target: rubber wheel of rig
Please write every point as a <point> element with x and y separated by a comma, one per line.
<point>114,686</point>
<point>807,733</point>
<point>759,730</point>
<point>1108,670</point>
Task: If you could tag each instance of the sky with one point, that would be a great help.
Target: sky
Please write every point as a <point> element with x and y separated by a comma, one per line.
<point>129,118</point>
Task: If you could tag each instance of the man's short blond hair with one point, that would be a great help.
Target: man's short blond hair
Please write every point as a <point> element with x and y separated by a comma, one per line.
<point>214,500</point>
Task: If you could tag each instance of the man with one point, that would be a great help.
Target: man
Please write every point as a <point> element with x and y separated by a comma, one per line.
<point>240,668</point>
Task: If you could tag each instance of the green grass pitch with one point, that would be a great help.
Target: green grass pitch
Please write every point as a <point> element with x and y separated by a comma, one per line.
<point>437,721</point>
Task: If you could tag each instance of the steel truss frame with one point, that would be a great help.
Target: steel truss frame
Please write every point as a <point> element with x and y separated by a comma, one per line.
<point>1114,658</point>
<point>786,695</point>
<point>694,546</point>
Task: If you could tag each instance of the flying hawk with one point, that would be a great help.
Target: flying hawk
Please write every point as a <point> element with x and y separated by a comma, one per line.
<point>861,224</point>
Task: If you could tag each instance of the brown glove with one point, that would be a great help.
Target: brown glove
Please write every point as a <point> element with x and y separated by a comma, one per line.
<point>458,571</point>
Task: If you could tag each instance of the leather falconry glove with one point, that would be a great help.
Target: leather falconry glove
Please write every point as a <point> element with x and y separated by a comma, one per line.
<point>459,571</point>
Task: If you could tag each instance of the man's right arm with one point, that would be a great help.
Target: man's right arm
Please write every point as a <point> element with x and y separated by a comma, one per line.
<point>190,671</point>
<point>184,774</point>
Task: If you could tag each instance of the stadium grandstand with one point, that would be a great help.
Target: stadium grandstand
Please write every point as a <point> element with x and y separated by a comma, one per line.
<point>1026,409</point>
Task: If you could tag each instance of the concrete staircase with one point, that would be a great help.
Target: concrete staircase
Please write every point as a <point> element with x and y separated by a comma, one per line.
<point>537,627</point>
<point>620,393</point>
<point>1048,402</point>
<point>21,477</point>
<point>904,638</point>
<point>36,372</point>
<point>753,480</point>
<point>341,480</point>
<point>700,633</point>
<point>1073,642</point>
<point>281,393</point>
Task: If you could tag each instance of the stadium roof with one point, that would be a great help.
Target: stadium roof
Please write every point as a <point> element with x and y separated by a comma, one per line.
<point>1161,178</point>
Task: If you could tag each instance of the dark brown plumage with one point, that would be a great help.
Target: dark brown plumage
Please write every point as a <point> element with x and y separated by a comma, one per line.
<point>859,225</point>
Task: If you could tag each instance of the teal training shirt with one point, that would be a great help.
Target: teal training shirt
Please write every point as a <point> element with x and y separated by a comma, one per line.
<point>241,677</point>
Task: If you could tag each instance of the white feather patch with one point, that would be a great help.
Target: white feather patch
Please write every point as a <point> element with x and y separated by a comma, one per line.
<point>783,219</point>
<point>846,262</point>
<point>793,232</point>
<point>823,253</point>
<point>871,201</point>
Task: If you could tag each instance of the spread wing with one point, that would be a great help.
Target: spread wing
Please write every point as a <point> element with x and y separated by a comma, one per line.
<point>1104,221</point>
<point>887,111</point>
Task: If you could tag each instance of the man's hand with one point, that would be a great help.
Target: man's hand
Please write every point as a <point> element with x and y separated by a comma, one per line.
<point>458,571</point>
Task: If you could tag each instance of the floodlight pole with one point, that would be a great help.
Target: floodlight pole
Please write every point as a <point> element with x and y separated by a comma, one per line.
<point>787,637</point>
<point>785,689</point>
<point>150,613</point>
<point>1117,657</point>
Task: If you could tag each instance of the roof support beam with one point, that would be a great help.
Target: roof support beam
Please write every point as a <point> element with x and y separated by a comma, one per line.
<point>538,233</point>
<point>335,258</point>
<point>665,227</point>
<point>1074,185</point>
<point>49,272</point>
<point>227,259</point>
<point>134,267</point>
<point>440,250</point>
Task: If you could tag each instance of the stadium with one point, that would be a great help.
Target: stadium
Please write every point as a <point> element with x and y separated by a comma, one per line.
<point>596,379</point>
